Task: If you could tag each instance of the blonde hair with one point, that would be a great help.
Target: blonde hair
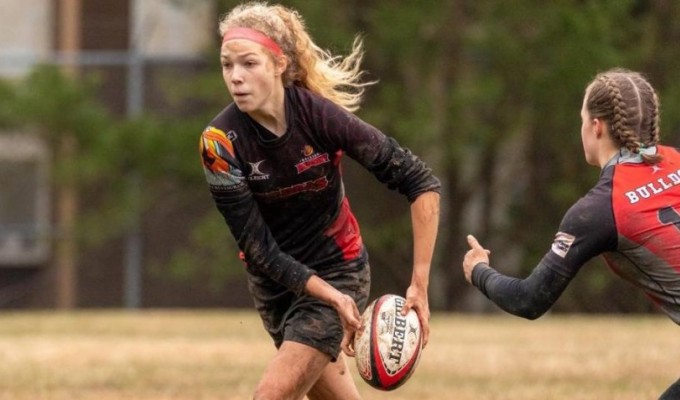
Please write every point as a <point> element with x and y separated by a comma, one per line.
<point>627,102</point>
<point>333,77</point>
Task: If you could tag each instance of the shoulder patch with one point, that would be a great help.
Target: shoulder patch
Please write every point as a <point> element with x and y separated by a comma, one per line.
<point>562,243</point>
<point>219,160</point>
<point>216,147</point>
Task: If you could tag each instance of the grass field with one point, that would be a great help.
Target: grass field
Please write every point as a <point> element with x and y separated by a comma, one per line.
<point>220,355</point>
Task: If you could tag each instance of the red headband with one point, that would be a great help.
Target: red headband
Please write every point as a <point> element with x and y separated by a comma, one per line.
<point>254,36</point>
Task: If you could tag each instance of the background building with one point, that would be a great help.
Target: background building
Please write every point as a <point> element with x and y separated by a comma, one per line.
<point>130,46</point>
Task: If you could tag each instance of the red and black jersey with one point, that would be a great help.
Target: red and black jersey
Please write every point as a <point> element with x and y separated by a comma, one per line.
<point>283,197</point>
<point>632,217</point>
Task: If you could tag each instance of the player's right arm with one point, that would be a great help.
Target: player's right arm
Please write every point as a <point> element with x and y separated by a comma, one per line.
<point>235,202</point>
<point>527,298</point>
<point>586,231</point>
<point>237,205</point>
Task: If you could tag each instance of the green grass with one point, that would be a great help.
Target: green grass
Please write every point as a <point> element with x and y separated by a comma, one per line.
<point>220,354</point>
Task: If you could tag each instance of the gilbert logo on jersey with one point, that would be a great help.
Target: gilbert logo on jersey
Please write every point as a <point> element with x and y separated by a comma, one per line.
<point>310,159</point>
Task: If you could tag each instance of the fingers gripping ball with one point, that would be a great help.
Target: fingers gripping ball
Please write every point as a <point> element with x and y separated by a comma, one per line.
<point>388,347</point>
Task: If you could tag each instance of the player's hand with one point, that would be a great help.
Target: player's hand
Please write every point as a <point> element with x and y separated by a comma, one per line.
<point>348,311</point>
<point>347,344</point>
<point>474,256</point>
<point>343,304</point>
<point>416,299</point>
<point>351,321</point>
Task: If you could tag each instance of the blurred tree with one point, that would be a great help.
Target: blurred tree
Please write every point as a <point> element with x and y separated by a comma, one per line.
<point>545,74</point>
<point>487,93</point>
<point>474,87</point>
<point>161,150</point>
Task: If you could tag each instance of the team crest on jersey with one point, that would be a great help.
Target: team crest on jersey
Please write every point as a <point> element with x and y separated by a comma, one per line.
<point>562,243</point>
<point>310,159</point>
<point>256,173</point>
<point>307,150</point>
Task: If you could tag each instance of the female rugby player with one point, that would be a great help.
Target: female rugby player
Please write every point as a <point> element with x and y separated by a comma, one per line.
<point>272,161</point>
<point>631,216</point>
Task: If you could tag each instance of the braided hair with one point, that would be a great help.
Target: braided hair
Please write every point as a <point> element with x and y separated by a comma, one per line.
<point>629,106</point>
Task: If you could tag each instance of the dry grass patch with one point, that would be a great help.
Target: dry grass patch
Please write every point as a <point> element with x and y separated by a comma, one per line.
<point>221,354</point>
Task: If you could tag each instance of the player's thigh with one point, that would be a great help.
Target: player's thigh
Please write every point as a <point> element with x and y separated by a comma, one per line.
<point>292,372</point>
<point>335,383</point>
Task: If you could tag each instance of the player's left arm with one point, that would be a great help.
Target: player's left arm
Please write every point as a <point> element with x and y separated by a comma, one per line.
<point>401,170</point>
<point>425,222</point>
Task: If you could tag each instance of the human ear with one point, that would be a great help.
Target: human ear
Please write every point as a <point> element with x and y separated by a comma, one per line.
<point>280,65</point>
<point>599,127</point>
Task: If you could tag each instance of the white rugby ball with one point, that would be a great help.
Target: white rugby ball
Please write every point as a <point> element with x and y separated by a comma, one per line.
<point>388,347</point>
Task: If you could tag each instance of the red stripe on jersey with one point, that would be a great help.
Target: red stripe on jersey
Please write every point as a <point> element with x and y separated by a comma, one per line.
<point>646,205</point>
<point>345,231</point>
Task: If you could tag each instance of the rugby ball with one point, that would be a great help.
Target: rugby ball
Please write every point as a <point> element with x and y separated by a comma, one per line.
<point>388,346</point>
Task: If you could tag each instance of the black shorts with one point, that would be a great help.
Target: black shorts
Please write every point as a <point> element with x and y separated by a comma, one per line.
<point>306,319</point>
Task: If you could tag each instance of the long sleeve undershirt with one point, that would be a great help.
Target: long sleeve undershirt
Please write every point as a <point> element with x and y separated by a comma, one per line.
<point>527,298</point>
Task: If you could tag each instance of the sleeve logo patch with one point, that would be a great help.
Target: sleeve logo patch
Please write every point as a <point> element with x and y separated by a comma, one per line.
<point>562,243</point>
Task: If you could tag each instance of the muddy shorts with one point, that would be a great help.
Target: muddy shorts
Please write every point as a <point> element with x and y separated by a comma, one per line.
<point>306,319</point>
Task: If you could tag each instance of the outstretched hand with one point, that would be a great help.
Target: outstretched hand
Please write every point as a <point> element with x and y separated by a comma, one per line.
<point>474,256</point>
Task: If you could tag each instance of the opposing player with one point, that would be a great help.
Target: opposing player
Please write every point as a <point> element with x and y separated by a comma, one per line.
<point>272,161</point>
<point>631,216</point>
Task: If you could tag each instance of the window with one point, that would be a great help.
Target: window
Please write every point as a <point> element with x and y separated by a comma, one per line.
<point>24,203</point>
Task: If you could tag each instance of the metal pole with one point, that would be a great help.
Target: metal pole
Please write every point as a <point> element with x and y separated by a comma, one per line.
<point>67,197</point>
<point>135,100</point>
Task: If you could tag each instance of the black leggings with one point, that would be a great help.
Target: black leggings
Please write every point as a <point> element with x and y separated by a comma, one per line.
<point>672,393</point>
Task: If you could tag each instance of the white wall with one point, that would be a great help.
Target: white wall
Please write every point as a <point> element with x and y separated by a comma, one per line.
<point>175,27</point>
<point>25,29</point>
<point>165,28</point>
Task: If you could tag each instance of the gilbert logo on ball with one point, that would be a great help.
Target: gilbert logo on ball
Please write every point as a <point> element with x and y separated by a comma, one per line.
<point>388,347</point>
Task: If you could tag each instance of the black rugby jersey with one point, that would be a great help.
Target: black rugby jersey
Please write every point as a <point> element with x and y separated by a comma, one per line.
<point>631,217</point>
<point>283,197</point>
